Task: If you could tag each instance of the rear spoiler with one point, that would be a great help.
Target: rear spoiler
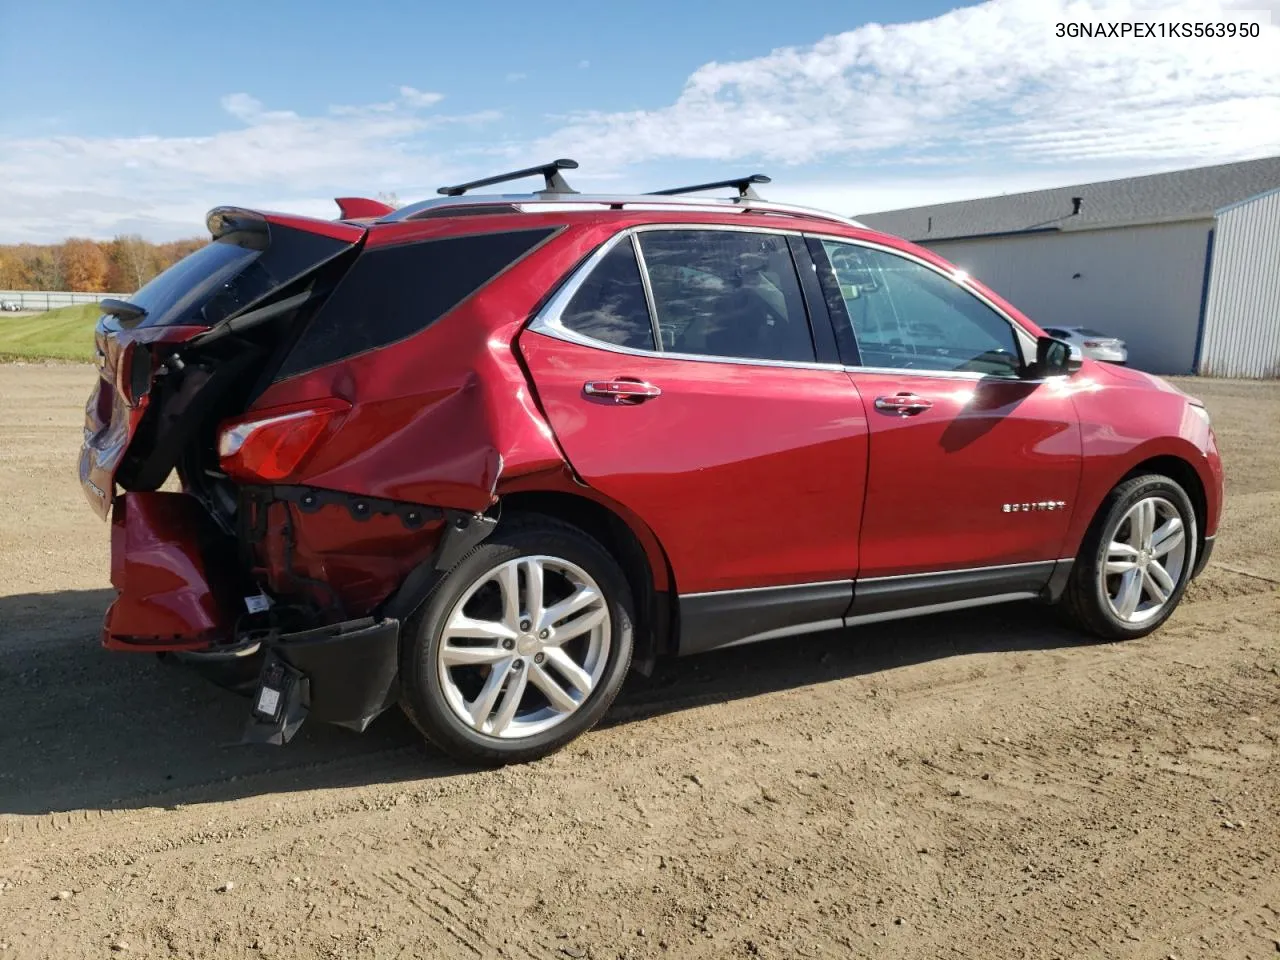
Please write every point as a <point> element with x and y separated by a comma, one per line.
<point>360,208</point>
<point>223,221</point>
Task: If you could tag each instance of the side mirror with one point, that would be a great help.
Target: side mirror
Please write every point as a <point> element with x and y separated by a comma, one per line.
<point>1056,358</point>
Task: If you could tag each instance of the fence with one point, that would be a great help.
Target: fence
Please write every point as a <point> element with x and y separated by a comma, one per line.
<point>51,299</point>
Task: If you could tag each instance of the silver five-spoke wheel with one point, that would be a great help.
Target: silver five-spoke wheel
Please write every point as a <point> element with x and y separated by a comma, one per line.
<point>1145,560</point>
<point>524,646</point>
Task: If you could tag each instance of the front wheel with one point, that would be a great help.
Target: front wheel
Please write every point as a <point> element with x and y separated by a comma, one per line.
<point>523,646</point>
<point>1136,560</point>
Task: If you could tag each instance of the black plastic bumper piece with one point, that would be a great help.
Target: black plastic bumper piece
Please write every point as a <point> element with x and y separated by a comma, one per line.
<point>344,673</point>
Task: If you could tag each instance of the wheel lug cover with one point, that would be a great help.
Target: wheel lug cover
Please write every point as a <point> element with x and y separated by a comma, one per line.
<point>539,657</point>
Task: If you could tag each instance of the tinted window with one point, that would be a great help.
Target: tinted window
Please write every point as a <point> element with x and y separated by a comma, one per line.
<point>231,273</point>
<point>1056,332</point>
<point>393,292</point>
<point>727,293</point>
<point>176,296</point>
<point>610,304</point>
<point>908,316</point>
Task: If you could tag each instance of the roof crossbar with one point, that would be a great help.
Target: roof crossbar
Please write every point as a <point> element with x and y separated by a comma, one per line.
<point>549,171</point>
<point>741,184</point>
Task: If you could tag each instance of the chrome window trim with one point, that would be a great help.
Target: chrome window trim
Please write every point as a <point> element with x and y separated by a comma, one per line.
<point>647,285</point>
<point>547,321</point>
<point>1024,336</point>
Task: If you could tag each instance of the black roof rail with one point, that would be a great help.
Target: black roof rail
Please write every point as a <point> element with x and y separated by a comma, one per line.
<point>549,171</point>
<point>741,184</point>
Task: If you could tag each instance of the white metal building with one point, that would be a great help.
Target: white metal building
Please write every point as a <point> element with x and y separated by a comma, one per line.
<point>1184,266</point>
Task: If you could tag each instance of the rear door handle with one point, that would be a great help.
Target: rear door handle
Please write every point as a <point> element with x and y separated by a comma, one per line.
<point>622,390</point>
<point>903,404</point>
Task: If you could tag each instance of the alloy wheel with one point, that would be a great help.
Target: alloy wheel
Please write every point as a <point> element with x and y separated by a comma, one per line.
<point>524,647</point>
<point>1146,556</point>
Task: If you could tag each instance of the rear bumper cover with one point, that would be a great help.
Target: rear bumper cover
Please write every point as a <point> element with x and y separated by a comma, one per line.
<point>167,596</point>
<point>344,673</point>
<point>179,591</point>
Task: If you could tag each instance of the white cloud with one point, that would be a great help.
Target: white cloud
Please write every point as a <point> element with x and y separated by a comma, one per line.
<point>983,99</point>
<point>54,186</point>
<point>992,80</point>
<point>417,98</point>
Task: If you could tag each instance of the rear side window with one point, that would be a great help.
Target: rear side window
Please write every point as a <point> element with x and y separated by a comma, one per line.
<point>391,293</point>
<point>727,293</point>
<point>610,305</point>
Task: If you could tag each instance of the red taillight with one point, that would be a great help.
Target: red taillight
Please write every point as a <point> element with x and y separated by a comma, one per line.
<point>271,444</point>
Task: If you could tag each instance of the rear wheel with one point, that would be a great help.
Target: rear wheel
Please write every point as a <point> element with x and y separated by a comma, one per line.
<point>1136,560</point>
<point>522,647</point>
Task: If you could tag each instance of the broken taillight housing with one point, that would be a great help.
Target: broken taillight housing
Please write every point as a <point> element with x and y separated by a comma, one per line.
<point>271,444</point>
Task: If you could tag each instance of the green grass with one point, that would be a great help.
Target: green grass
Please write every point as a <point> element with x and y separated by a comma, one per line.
<point>62,334</point>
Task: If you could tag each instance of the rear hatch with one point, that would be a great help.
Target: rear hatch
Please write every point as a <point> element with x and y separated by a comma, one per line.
<point>214,319</point>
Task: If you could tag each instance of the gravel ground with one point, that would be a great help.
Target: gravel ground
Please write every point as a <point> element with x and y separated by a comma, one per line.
<point>980,785</point>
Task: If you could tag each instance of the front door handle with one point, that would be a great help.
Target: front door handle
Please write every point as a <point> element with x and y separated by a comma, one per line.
<point>903,404</point>
<point>621,390</point>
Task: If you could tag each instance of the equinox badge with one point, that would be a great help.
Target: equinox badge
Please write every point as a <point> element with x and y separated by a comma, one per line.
<point>1038,506</point>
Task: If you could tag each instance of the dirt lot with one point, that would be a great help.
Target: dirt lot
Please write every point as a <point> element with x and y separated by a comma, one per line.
<point>983,785</point>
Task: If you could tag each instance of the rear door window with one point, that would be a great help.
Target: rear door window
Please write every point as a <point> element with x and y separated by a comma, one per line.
<point>610,305</point>
<point>727,293</point>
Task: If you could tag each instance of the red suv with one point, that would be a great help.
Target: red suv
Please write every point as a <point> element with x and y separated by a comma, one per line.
<point>479,455</point>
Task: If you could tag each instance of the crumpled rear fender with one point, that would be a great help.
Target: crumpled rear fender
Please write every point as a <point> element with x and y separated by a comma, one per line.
<point>444,416</point>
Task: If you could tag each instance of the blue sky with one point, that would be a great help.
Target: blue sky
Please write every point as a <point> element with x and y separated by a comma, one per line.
<point>136,117</point>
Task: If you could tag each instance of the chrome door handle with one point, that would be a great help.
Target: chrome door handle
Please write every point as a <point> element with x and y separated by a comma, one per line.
<point>621,390</point>
<point>903,404</point>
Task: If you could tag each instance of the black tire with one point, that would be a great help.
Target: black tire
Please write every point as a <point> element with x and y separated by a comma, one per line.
<point>1084,601</point>
<point>422,696</point>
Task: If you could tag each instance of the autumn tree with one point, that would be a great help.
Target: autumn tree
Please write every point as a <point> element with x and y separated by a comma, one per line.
<point>122,265</point>
<point>12,272</point>
<point>84,266</point>
<point>44,269</point>
<point>132,263</point>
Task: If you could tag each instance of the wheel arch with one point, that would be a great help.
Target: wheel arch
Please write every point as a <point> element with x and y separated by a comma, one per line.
<point>640,555</point>
<point>1172,464</point>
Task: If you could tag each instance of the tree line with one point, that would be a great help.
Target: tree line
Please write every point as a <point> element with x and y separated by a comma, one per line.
<point>121,265</point>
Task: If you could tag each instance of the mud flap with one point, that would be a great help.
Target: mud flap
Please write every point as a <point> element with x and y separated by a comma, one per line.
<point>343,674</point>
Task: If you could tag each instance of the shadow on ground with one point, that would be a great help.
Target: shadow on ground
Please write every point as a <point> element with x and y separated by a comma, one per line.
<point>87,729</point>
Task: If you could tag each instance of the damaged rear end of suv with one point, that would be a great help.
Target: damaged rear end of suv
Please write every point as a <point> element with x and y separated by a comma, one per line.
<point>481,455</point>
<point>282,493</point>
